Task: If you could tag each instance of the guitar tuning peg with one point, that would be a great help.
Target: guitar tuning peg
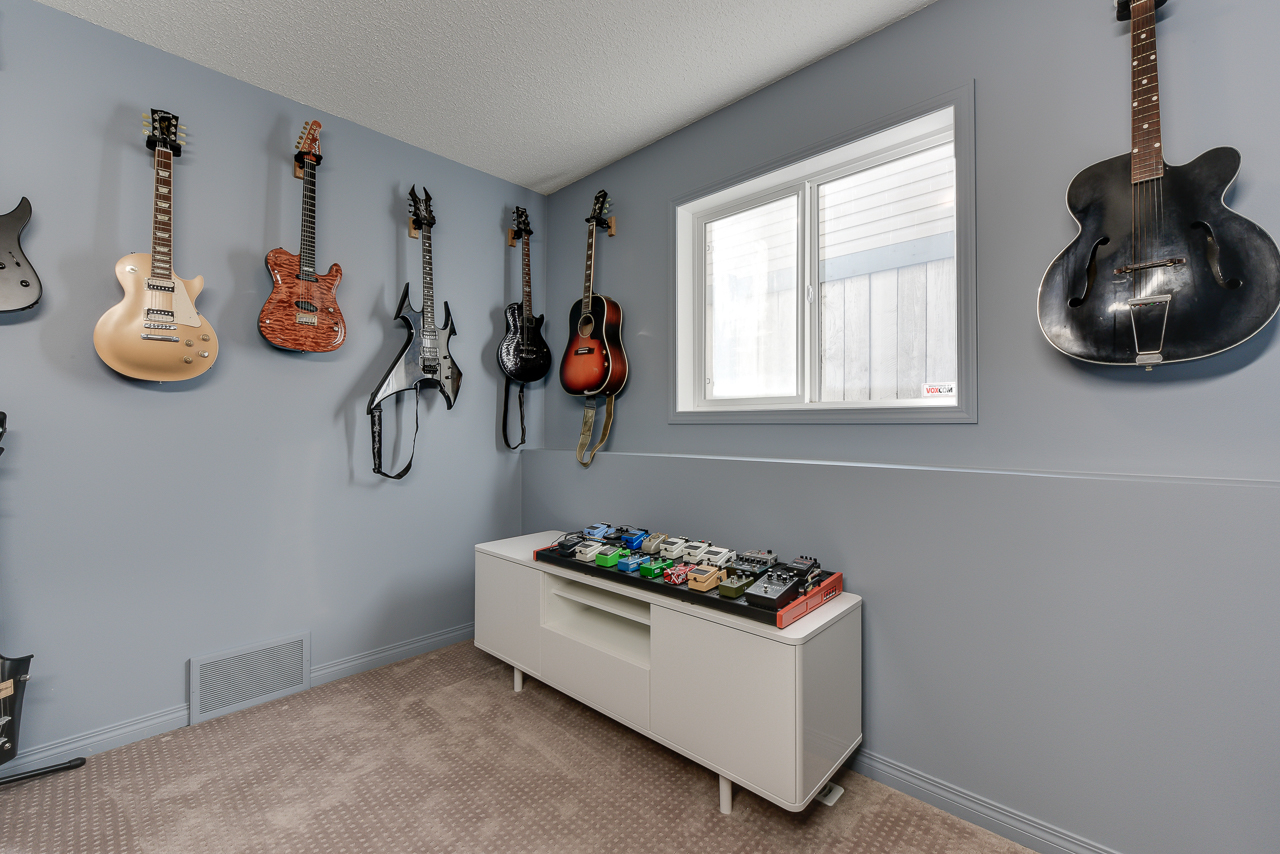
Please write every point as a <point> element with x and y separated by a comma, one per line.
<point>184,127</point>
<point>181,134</point>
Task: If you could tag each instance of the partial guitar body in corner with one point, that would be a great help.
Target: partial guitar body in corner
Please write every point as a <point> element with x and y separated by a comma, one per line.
<point>19,284</point>
<point>594,361</point>
<point>155,332</point>
<point>523,354</point>
<point>302,311</point>
<point>1162,270</point>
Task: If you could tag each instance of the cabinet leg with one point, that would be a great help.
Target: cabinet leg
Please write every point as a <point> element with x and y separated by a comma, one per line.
<point>519,680</point>
<point>726,795</point>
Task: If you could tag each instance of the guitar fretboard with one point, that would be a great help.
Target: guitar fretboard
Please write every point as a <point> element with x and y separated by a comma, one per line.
<point>307,252</point>
<point>591,268</point>
<point>428,289</point>
<point>1148,151</point>
<point>528,291</point>
<point>162,216</point>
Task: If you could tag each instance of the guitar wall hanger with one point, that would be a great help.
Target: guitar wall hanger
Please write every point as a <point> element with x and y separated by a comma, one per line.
<point>1124,11</point>
<point>612,231</point>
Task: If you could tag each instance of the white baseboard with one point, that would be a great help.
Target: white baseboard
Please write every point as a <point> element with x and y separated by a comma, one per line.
<point>125,732</point>
<point>354,664</point>
<point>1011,824</point>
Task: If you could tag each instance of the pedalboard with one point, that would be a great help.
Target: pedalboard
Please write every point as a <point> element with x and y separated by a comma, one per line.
<point>753,584</point>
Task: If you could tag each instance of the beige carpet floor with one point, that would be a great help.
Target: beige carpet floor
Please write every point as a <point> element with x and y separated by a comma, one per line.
<point>438,754</point>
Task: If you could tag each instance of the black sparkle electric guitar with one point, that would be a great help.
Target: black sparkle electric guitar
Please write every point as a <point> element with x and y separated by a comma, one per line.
<point>19,284</point>
<point>1162,270</point>
<point>523,354</point>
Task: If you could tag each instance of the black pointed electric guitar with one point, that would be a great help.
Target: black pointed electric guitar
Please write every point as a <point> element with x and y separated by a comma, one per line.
<point>523,354</point>
<point>1162,271</point>
<point>19,284</point>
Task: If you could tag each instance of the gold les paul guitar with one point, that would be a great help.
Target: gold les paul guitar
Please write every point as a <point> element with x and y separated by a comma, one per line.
<point>155,332</point>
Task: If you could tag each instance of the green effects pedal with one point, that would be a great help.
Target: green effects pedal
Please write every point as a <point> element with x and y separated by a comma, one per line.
<point>655,567</point>
<point>736,584</point>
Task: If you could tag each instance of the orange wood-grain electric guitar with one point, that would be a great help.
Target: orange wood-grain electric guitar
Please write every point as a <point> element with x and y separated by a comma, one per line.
<point>302,312</point>
<point>155,332</point>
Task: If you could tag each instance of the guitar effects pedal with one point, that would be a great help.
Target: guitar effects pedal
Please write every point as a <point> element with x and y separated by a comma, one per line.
<point>652,543</point>
<point>568,545</point>
<point>694,550</point>
<point>705,578</point>
<point>759,560</point>
<point>735,585</point>
<point>633,538</point>
<point>718,556</point>
<point>776,588</point>
<point>673,548</point>
<point>677,574</point>
<point>587,550</point>
<point>631,562</point>
<point>655,567</point>
<point>610,555</point>
<point>597,531</point>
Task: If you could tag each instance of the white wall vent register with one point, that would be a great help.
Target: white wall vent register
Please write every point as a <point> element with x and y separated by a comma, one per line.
<point>239,678</point>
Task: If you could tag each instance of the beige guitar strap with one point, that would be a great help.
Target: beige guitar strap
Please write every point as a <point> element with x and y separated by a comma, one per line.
<point>588,427</point>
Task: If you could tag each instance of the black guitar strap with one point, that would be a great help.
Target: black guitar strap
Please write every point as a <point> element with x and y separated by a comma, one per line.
<point>506,402</point>
<point>375,424</point>
<point>588,427</point>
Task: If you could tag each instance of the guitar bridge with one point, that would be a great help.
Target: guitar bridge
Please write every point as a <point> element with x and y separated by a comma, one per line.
<point>1149,316</point>
<point>305,319</point>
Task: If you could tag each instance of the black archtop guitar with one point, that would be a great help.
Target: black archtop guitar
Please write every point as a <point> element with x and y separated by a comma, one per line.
<point>1162,270</point>
<point>523,354</point>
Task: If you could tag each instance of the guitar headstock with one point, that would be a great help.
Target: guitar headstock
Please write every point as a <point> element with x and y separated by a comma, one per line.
<point>164,131</point>
<point>308,143</point>
<point>520,224</point>
<point>600,209</point>
<point>3,427</point>
<point>420,209</point>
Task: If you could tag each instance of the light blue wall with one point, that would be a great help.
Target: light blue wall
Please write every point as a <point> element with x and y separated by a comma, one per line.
<point>1068,629</point>
<point>141,524</point>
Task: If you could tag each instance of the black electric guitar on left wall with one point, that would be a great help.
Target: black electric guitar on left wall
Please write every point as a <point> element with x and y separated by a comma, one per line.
<point>19,284</point>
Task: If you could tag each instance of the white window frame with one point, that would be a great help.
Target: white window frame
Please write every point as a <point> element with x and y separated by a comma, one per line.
<point>801,173</point>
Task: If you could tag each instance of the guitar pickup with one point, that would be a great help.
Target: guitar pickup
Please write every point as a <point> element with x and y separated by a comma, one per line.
<point>305,319</point>
<point>1150,265</point>
<point>172,338</point>
<point>159,285</point>
<point>159,314</point>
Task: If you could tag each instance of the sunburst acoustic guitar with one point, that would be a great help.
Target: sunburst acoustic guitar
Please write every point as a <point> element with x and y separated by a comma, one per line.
<point>155,332</point>
<point>302,312</point>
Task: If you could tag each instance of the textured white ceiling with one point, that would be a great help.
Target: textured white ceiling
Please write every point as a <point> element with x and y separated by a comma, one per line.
<point>539,92</point>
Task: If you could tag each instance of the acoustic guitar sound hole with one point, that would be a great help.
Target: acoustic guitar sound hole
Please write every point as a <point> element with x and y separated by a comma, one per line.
<point>586,326</point>
<point>303,305</point>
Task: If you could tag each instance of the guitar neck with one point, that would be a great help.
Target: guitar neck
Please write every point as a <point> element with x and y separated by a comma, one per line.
<point>528,285</point>
<point>591,268</point>
<point>162,216</point>
<point>1148,152</point>
<point>307,251</point>
<point>428,287</point>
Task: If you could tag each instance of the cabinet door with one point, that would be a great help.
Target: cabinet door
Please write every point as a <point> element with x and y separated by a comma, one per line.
<point>508,611</point>
<point>726,696</point>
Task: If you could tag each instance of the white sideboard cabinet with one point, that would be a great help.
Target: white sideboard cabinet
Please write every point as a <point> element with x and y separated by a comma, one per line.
<point>666,668</point>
